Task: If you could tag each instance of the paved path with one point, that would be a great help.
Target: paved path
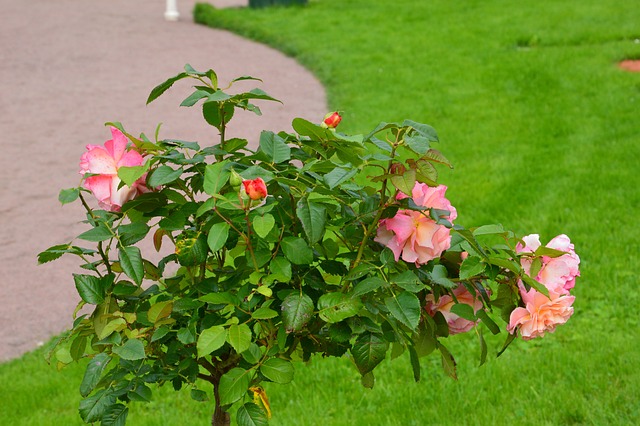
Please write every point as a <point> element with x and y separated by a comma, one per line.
<point>68,66</point>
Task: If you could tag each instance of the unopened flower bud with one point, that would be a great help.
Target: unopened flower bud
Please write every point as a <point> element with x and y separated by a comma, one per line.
<point>397,169</point>
<point>235,180</point>
<point>331,120</point>
<point>256,189</point>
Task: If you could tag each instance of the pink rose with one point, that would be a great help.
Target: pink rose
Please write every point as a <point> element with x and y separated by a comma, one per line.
<point>446,302</point>
<point>413,234</point>
<point>331,120</point>
<point>256,189</point>
<point>558,274</point>
<point>104,162</point>
<point>540,314</point>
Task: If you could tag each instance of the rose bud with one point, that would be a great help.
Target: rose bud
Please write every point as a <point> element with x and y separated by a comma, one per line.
<point>235,180</point>
<point>397,169</point>
<point>331,120</point>
<point>256,189</point>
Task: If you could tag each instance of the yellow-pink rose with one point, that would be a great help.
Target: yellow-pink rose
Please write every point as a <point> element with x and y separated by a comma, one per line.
<point>446,302</point>
<point>558,274</point>
<point>541,314</point>
<point>414,235</point>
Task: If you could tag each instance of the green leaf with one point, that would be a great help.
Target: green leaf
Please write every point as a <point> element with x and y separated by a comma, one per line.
<point>211,109</point>
<point>313,217</point>
<point>334,307</point>
<point>436,156</point>
<point>192,251</point>
<point>132,233</point>
<point>68,195</point>
<point>53,253</point>
<point>193,98</point>
<point>160,310</point>
<point>132,350</point>
<point>368,285</point>
<point>264,313</point>
<point>422,129</point>
<point>507,342</point>
<point>250,414</point>
<point>281,268</point>
<point>218,235</point>
<point>115,415</point>
<point>199,395</point>
<point>368,380</point>
<point>486,320</point>
<point>211,339</point>
<point>216,176</point>
<point>163,175</point>
<point>368,351</point>
<point>488,230</point>
<point>448,362</point>
<point>547,251</point>
<point>93,373</point>
<point>307,128</point>
<point>415,363</point>
<point>91,289</point>
<point>408,281</point>
<point>405,307</point>
<point>239,337</point>
<point>539,287</point>
<point>277,370</point>
<point>424,342</point>
<point>274,147</point>
<point>187,335</point>
<point>360,271</point>
<point>97,234</point>
<point>131,263</point>
<point>297,251</point>
<point>94,407</point>
<point>471,267</point>
<point>483,348</point>
<point>164,86</point>
<point>405,182</point>
<point>141,393</point>
<point>464,311</point>
<point>418,144</point>
<point>263,224</point>
<point>297,309</point>
<point>234,385</point>
<point>439,276</point>
<point>339,175</point>
<point>131,174</point>
<point>220,299</point>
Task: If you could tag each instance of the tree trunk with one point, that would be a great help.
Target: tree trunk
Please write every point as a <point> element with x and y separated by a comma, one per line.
<point>220,417</point>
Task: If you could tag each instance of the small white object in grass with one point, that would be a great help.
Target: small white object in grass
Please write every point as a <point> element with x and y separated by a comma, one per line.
<point>171,14</point>
<point>40,344</point>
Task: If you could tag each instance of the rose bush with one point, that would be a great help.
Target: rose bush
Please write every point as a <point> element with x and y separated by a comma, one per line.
<point>315,243</point>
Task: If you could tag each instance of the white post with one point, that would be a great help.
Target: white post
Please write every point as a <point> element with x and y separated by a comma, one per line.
<point>171,14</point>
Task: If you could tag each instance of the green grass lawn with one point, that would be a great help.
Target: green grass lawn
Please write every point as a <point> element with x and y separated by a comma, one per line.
<point>544,131</point>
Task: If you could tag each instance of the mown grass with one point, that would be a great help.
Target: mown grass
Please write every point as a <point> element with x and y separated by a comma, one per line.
<point>544,131</point>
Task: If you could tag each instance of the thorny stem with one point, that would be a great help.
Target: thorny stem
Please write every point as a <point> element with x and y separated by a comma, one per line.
<point>104,257</point>
<point>383,204</point>
<point>248,240</point>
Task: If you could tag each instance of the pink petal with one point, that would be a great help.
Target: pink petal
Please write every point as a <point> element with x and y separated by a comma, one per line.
<point>117,145</point>
<point>402,224</point>
<point>130,158</point>
<point>101,187</point>
<point>98,161</point>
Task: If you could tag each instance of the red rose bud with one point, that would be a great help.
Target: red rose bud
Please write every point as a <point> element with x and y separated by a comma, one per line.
<point>331,120</point>
<point>256,189</point>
